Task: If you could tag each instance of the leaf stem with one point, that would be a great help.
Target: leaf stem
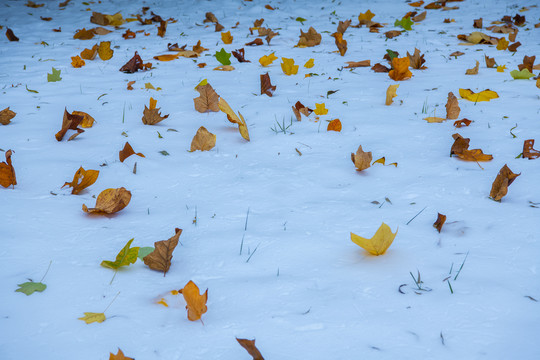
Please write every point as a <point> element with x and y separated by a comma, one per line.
<point>115,271</point>
<point>108,306</point>
<point>50,263</point>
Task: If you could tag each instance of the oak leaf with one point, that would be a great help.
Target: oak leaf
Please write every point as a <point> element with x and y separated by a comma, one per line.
<point>528,151</point>
<point>266,86</point>
<point>196,303</point>
<point>152,116</point>
<point>309,38</point>
<point>110,201</point>
<point>474,70</point>
<point>400,69</point>
<point>288,66</point>
<point>485,95</point>
<point>6,115</point>
<point>391,93</point>
<point>300,109</point>
<point>77,62</point>
<point>90,54</point>
<point>126,152</point>
<point>226,37</point>
<point>340,43</point>
<point>203,140</point>
<point>502,44</point>
<point>379,243</point>
<point>70,122</point>
<point>267,59</point>
<point>438,224</point>
<point>232,117</point>
<point>362,159</point>
<point>82,179</point>
<point>500,185</point>
<point>207,100</point>
<point>160,258</point>
<point>119,356</point>
<point>334,125</point>
<point>416,60</point>
<point>452,107</point>
<point>7,172</point>
<point>355,64</point>
<point>250,347</point>
<point>126,257</point>
<point>90,317</point>
<point>366,17</point>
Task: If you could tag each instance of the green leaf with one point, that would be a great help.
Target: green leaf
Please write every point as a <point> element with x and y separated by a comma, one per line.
<point>145,251</point>
<point>30,287</point>
<point>392,54</point>
<point>524,74</point>
<point>301,20</point>
<point>223,57</point>
<point>125,257</point>
<point>405,23</point>
<point>164,153</point>
<point>32,91</point>
<point>55,76</point>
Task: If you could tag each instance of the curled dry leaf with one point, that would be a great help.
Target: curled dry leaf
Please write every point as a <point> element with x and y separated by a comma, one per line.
<point>309,38</point>
<point>160,258</point>
<point>7,172</point>
<point>82,179</point>
<point>152,116</point>
<point>362,159</point>
<point>457,53</point>
<point>250,347</point>
<point>210,17</point>
<point>462,123</point>
<point>490,62</point>
<point>474,70</point>
<point>10,35</point>
<point>232,117</point>
<point>400,69</point>
<point>416,60</point>
<point>196,303</point>
<point>70,122</point>
<point>239,54</point>
<point>343,25</point>
<point>440,222</point>
<point>256,42</point>
<point>528,63</point>
<point>207,100</point>
<point>460,148</point>
<point>355,64</point>
<point>477,24</point>
<point>500,185</point>
<point>528,151</point>
<point>127,151</point>
<point>87,121</point>
<point>90,54</point>
<point>162,28</point>
<point>419,17</point>
<point>6,115</point>
<point>203,140</point>
<point>452,107</point>
<point>340,43</point>
<point>391,93</point>
<point>135,64</point>
<point>334,125</point>
<point>129,87</point>
<point>266,86</point>
<point>110,201</point>
<point>379,243</point>
<point>300,109</point>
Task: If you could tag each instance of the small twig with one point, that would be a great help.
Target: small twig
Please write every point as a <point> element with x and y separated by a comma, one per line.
<point>253,252</point>
<point>108,306</point>
<point>416,216</point>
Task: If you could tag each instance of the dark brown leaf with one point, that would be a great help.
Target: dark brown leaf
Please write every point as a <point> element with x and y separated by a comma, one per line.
<point>477,24</point>
<point>10,35</point>
<point>135,64</point>
<point>490,62</point>
<point>528,63</point>
<point>266,86</point>
<point>440,222</point>
<point>257,41</point>
<point>514,46</point>
<point>378,67</point>
<point>239,55</point>
<point>160,258</point>
<point>462,123</point>
<point>127,151</point>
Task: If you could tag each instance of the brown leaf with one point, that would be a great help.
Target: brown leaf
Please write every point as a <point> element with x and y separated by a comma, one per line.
<point>210,18</point>
<point>457,53</point>
<point>99,19</point>
<point>129,87</point>
<point>452,107</point>
<point>239,55</point>
<point>519,20</point>
<point>160,258</point>
<point>514,46</point>
<point>528,63</point>
<point>340,43</point>
<point>45,18</point>
<point>392,34</point>
<point>256,42</point>
<point>528,151</point>
<point>419,17</point>
<point>69,122</point>
<point>512,35</point>
<point>203,140</point>
<point>6,115</point>
<point>110,201</point>
<point>199,48</point>
<point>10,35</point>
<point>196,303</point>
<point>152,116</point>
<point>100,31</point>
<point>343,25</point>
<point>362,160</point>
<point>207,100</point>
<point>440,222</point>
<point>380,68</point>
<point>355,64</point>
<point>460,144</point>
<point>84,34</point>
<point>460,148</point>
<point>162,28</point>
<point>219,27</point>
<point>462,123</point>
<point>250,347</point>
<point>90,54</point>
<point>474,70</point>
<point>416,60</point>
<point>258,22</point>
<point>82,179</point>
<point>7,172</point>
<point>127,151</point>
<point>299,109</point>
<point>266,86</point>
<point>129,34</point>
<point>500,185</point>
<point>334,125</point>
<point>310,38</point>
<point>490,62</point>
<point>477,24</point>
<point>135,64</point>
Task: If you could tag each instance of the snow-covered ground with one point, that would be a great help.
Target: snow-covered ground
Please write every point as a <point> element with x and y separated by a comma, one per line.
<point>292,279</point>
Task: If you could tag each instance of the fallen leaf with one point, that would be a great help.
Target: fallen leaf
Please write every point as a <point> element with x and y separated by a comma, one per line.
<point>419,17</point>
<point>152,116</point>
<point>406,23</point>
<point>129,34</point>
<point>223,57</point>
<point>266,86</point>
<point>440,222</point>
<point>461,149</point>
<point>105,19</point>
<point>434,119</point>
<point>383,161</point>
<point>392,34</point>
<point>288,66</point>
<point>82,179</point>
<point>362,159</point>
<point>379,243</point>
<point>207,100</point>
<point>309,64</point>
<point>366,17</point>
<point>269,7</point>
<point>160,258</point>
<point>203,140</point>
<point>119,356</point>
<point>267,59</point>
<point>299,109</point>
<point>528,63</point>
<point>309,38</point>
<point>126,257</point>
<point>126,152</point>
<point>166,57</point>
<point>485,95</point>
<point>232,117</point>
<point>6,115</point>
<point>219,27</point>
<point>416,60</point>
<point>524,74</point>
<point>502,44</point>
<point>162,28</point>
<point>250,347</point>
<point>340,43</point>
<point>31,287</point>
<point>474,70</point>
<point>490,62</point>
<point>320,109</point>
<point>528,151</point>
<point>104,50</point>
<point>135,64</point>
<point>452,107</point>
<point>77,62</point>
<point>110,201</point>
<point>210,17</point>
<point>400,69</point>
<point>500,185</point>
<point>239,54</point>
<point>33,4</point>
<point>54,76</point>
<point>355,64</point>
<point>100,31</point>
<point>501,68</point>
<point>514,46</point>
<point>457,53</point>
<point>448,21</point>
<point>198,48</point>
<point>477,24</point>
<point>343,25</point>
<point>90,317</point>
<point>462,123</point>
<point>417,3</point>
<point>84,34</point>
<point>196,303</point>
<point>70,122</point>
<point>10,35</point>
<point>256,42</point>
<point>334,125</point>
<point>226,37</point>
<point>391,93</point>
<point>7,172</point>
<point>90,54</point>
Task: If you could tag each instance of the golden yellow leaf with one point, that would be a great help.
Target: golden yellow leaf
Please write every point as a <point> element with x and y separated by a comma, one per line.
<point>309,64</point>
<point>87,121</point>
<point>434,119</point>
<point>110,201</point>
<point>82,179</point>
<point>77,62</point>
<point>232,117</point>
<point>196,303</point>
<point>90,317</point>
<point>367,16</point>
<point>379,243</point>
<point>320,109</point>
<point>267,59</point>
<point>115,20</point>
<point>501,68</point>
<point>400,69</point>
<point>362,159</point>
<point>89,54</point>
<point>104,50</point>
<point>391,93</point>
<point>485,95</point>
<point>288,66</point>
<point>226,37</point>
<point>502,44</point>
<point>127,151</point>
<point>203,140</point>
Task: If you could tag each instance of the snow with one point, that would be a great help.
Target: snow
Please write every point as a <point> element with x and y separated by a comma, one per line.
<point>291,279</point>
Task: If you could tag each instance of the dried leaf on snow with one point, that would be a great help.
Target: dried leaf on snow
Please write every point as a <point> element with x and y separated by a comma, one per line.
<point>152,116</point>
<point>203,140</point>
<point>196,303</point>
<point>266,86</point>
<point>82,179</point>
<point>362,159</point>
<point>452,107</point>
<point>7,172</point>
<point>528,151</point>
<point>160,258</point>
<point>235,119</point>
<point>309,38</point>
<point>379,243</point>
<point>110,201</point>
<point>440,222</point>
<point>127,151</point>
<point>500,185</point>
<point>70,122</point>
<point>6,115</point>
<point>250,347</point>
<point>207,100</point>
<point>391,93</point>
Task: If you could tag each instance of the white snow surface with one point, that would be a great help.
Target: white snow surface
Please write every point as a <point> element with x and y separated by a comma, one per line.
<point>307,291</point>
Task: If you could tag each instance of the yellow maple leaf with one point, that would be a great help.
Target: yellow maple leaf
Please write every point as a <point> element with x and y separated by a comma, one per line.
<point>379,243</point>
<point>367,16</point>
<point>501,68</point>
<point>90,317</point>
<point>267,59</point>
<point>320,109</point>
<point>485,95</point>
<point>226,37</point>
<point>288,66</point>
<point>502,44</point>
<point>309,64</point>
<point>391,93</point>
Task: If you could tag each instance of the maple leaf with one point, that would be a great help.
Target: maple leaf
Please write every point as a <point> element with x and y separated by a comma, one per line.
<point>90,317</point>
<point>366,17</point>
<point>362,159</point>
<point>438,224</point>
<point>501,68</point>
<point>490,62</point>
<point>309,38</point>
<point>474,70</point>
<point>528,151</point>
<point>126,257</point>
<point>7,172</point>
<point>152,116</point>
<point>110,201</point>
<point>6,115</point>
<point>30,287</point>
<point>250,347</point>
<point>355,64</point>
<point>391,93</point>
<point>500,185</point>
<point>299,109</point>
<point>340,43</point>
<point>524,74</point>
<point>207,100</point>
<point>90,54</point>
<point>203,140</point>
<point>502,44</point>
<point>406,23</point>
<point>485,95</point>
<point>70,122</point>
<point>379,243</point>
<point>160,258</point>
<point>77,62</point>
<point>126,152</point>
<point>232,117</point>
<point>196,303</point>
<point>82,179</point>
<point>452,107</point>
<point>416,60</point>
<point>226,37</point>
<point>320,109</point>
<point>119,356</point>
<point>288,66</point>
<point>400,69</point>
<point>266,86</point>
<point>55,76</point>
<point>267,59</point>
<point>223,57</point>
<point>334,125</point>
<point>135,64</point>
<point>198,48</point>
<point>104,50</point>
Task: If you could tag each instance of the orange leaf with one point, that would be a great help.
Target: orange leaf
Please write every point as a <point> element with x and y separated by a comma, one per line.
<point>334,125</point>
<point>6,115</point>
<point>7,172</point>
<point>69,122</point>
<point>355,64</point>
<point>89,54</point>
<point>340,43</point>
<point>84,34</point>
<point>104,50</point>
<point>119,356</point>
<point>87,121</point>
<point>196,303</point>
<point>129,87</point>
<point>400,69</point>
<point>127,151</point>
<point>362,159</point>
<point>250,347</point>
<point>268,7</point>
<point>152,116</point>
<point>226,37</point>
<point>82,179</point>
<point>110,201</point>
<point>500,185</point>
<point>462,123</point>
<point>266,86</point>
<point>235,119</point>
<point>440,222</point>
<point>160,258</point>
<point>77,62</point>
